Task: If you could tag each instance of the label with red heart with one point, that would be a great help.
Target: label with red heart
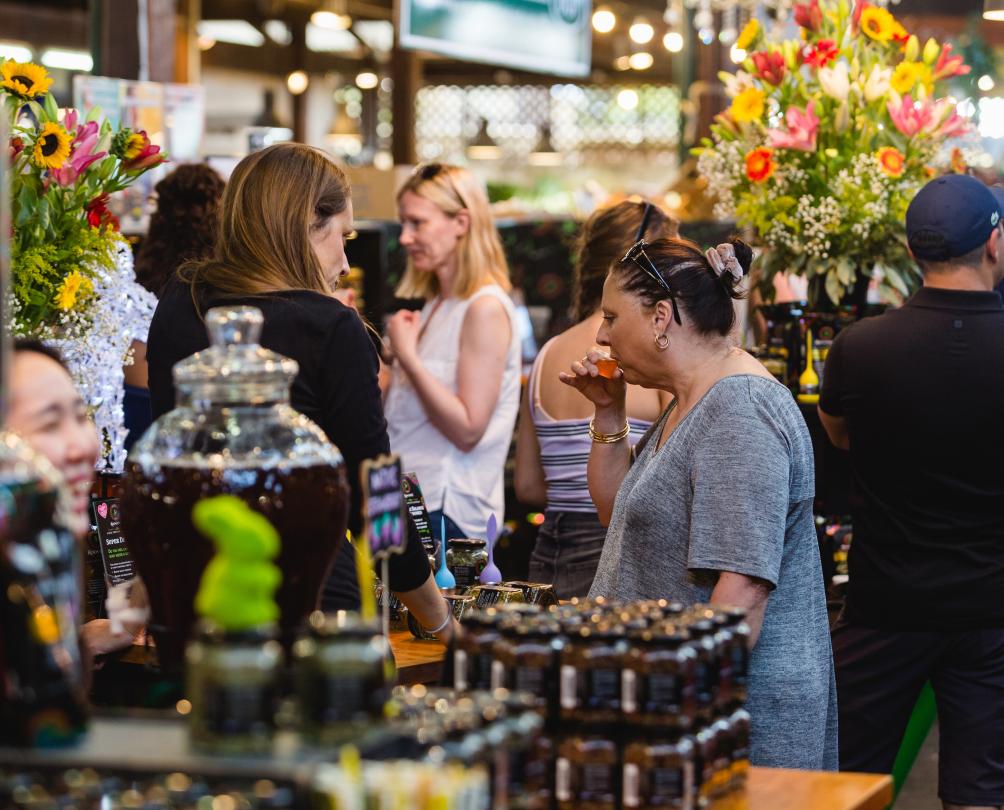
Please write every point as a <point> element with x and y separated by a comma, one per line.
<point>103,510</point>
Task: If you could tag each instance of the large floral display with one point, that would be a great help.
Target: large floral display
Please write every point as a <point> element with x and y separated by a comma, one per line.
<point>72,282</point>
<point>827,139</point>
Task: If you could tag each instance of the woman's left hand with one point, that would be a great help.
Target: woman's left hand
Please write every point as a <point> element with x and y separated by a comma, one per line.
<point>402,331</point>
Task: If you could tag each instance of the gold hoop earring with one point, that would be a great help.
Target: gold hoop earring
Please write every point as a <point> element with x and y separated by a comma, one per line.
<point>661,342</point>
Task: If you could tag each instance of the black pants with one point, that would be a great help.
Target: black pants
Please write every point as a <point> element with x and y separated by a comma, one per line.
<point>880,674</point>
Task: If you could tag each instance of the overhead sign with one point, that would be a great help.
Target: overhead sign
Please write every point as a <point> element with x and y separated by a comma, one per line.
<point>546,36</point>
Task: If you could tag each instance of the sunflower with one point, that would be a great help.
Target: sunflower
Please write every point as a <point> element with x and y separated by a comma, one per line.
<point>52,148</point>
<point>905,77</point>
<point>24,79</point>
<point>878,24</point>
<point>891,161</point>
<point>748,105</point>
<point>748,34</point>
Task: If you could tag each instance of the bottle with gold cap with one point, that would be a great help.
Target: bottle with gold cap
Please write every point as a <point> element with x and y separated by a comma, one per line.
<point>808,382</point>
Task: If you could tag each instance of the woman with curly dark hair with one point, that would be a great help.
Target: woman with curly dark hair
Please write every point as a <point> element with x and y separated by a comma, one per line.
<point>183,226</point>
<point>182,229</point>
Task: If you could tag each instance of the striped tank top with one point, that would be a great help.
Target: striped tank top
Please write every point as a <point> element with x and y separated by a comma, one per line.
<point>564,450</point>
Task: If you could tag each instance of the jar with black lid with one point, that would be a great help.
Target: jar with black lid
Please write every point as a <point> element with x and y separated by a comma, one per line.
<point>724,639</point>
<point>466,558</point>
<point>659,773</point>
<point>739,728</point>
<point>703,640</point>
<point>472,652</point>
<point>340,671</point>
<point>587,773</point>
<point>739,654</point>
<point>658,680</point>
<point>590,682</point>
<point>713,755</point>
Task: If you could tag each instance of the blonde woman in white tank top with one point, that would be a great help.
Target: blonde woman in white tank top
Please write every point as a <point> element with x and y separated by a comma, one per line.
<point>454,390</point>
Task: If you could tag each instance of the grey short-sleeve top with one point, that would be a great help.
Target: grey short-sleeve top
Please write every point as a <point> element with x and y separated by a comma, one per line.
<point>732,490</point>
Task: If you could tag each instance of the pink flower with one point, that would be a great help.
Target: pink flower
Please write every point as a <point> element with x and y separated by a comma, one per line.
<point>948,65</point>
<point>809,15</point>
<point>802,129</point>
<point>947,123</point>
<point>82,156</point>
<point>910,118</point>
<point>70,120</point>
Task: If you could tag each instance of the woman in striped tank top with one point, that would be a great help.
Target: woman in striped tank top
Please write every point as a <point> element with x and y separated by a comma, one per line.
<point>553,441</point>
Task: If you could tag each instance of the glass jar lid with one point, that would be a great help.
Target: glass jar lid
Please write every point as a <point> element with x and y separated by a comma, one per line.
<point>235,368</point>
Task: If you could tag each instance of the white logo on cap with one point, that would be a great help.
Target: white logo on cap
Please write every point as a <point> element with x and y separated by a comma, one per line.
<point>995,218</point>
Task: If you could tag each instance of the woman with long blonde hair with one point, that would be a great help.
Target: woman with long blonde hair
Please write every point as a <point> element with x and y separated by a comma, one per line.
<point>284,218</point>
<point>454,390</point>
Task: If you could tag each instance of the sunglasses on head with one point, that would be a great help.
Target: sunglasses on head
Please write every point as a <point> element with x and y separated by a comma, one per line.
<point>430,171</point>
<point>637,255</point>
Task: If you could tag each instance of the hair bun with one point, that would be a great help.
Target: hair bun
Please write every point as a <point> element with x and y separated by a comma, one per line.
<point>744,253</point>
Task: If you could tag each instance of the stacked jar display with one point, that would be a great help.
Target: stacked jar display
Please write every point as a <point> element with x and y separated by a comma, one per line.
<point>642,701</point>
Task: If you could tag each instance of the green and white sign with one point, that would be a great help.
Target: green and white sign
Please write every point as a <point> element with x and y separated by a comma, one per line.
<point>546,36</point>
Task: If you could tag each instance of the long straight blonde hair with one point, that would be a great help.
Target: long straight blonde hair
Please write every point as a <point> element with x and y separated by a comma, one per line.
<point>273,200</point>
<point>480,258</point>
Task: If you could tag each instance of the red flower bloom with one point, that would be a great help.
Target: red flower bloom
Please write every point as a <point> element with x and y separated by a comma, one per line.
<point>859,6</point>
<point>16,147</point>
<point>809,15</point>
<point>98,214</point>
<point>769,66</point>
<point>760,164</point>
<point>139,154</point>
<point>822,53</point>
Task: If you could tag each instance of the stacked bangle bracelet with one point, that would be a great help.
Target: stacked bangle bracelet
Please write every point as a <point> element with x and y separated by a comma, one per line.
<point>608,438</point>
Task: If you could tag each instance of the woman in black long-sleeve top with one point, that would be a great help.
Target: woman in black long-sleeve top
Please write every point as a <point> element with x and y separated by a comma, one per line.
<point>283,222</point>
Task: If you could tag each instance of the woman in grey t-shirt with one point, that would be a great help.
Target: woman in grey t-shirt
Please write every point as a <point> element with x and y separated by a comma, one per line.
<point>717,505</point>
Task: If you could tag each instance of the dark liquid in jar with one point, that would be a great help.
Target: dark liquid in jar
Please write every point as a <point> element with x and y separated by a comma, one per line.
<point>307,505</point>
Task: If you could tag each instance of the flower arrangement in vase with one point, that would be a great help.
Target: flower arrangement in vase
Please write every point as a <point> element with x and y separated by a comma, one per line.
<point>827,139</point>
<point>71,270</point>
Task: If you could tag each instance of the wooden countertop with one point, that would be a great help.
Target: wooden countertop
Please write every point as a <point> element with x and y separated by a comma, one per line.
<point>416,661</point>
<point>778,789</point>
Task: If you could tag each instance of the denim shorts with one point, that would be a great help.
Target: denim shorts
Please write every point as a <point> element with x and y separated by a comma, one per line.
<point>568,551</point>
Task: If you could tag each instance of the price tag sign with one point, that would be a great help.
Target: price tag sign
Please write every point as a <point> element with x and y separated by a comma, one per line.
<point>383,505</point>
<point>417,509</point>
<point>114,552</point>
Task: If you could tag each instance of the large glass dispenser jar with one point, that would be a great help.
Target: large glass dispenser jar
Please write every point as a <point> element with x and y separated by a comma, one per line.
<point>232,431</point>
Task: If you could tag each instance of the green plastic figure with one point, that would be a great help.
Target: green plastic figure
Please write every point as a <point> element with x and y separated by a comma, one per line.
<point>239,584</point>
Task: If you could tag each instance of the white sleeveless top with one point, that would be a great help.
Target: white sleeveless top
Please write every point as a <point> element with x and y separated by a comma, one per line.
<point>466,486</point>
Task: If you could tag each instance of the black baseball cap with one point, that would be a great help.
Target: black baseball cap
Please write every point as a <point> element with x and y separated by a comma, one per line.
<point>951,216</point>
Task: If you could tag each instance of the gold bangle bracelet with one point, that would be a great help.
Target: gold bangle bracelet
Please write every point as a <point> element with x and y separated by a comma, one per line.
<point>608,438</point>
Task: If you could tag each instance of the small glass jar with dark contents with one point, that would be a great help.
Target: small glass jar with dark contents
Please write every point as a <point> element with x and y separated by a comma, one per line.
<point>739,654</point>
<point>472,652</point>
<point>590,676</point>
<point>587,773</point>
<point>739,729</point>
<point>527,658</point>
<point>233,686</point>
<point>487,596</point>
<point>659,773</point>
<point>466,558</point>
<point>658,680</point>
<point>341,675</point>
<point>703,641</point>
<point>540,594</point>
<point>713,755</point>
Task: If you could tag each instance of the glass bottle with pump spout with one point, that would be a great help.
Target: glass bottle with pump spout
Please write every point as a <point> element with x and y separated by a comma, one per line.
<point>234,432</point>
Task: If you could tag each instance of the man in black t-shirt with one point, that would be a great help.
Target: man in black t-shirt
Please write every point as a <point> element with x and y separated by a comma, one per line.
<point>913,395</point>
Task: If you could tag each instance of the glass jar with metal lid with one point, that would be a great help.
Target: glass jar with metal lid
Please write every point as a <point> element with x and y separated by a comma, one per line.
<point>587,773</point>
<point>527,657</point>
<point>467,558</point>
<point>659,773</point>
<point>590,682</point>
<point>703,640</point>
<point>472,653</point>
<point>341,670</point>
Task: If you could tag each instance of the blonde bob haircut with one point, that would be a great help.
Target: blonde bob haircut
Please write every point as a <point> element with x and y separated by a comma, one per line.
<point>272,203</point>
<point>480,259</point>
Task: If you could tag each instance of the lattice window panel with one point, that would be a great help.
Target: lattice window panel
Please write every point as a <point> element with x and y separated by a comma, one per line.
<point>585,120</point>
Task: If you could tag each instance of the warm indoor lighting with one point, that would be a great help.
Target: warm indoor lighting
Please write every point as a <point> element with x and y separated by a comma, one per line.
<point>627,99</point>
<point>737,54</point>
<point>331,20</point>
<point>297,82</point>
<point>641,31</point>
<point>67,60</point>
<point>641,60</point>
<point>986,83</point>
<point>483,147</point>
<point>234,32</point>
<point>993,10</point>
<point>604,20</point>
<point>278,32</point>
<point>673,42</point>
<point>367,80</point>
<point>8,50</point>
<point>205,43</point>
<point>622,63</point>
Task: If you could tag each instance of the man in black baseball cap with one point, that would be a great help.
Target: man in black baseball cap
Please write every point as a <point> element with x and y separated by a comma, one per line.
<point>915,395</point>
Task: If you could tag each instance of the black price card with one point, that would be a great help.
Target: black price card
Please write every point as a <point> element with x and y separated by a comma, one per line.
<point>95,590</point>
<point>419,512</point>
<point>383,505</point>
<point>114,552</point>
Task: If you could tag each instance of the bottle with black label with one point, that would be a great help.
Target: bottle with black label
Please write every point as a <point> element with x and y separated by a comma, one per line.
<point>590,683</point>
<point>587,773</point>
<point>659,773</point>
